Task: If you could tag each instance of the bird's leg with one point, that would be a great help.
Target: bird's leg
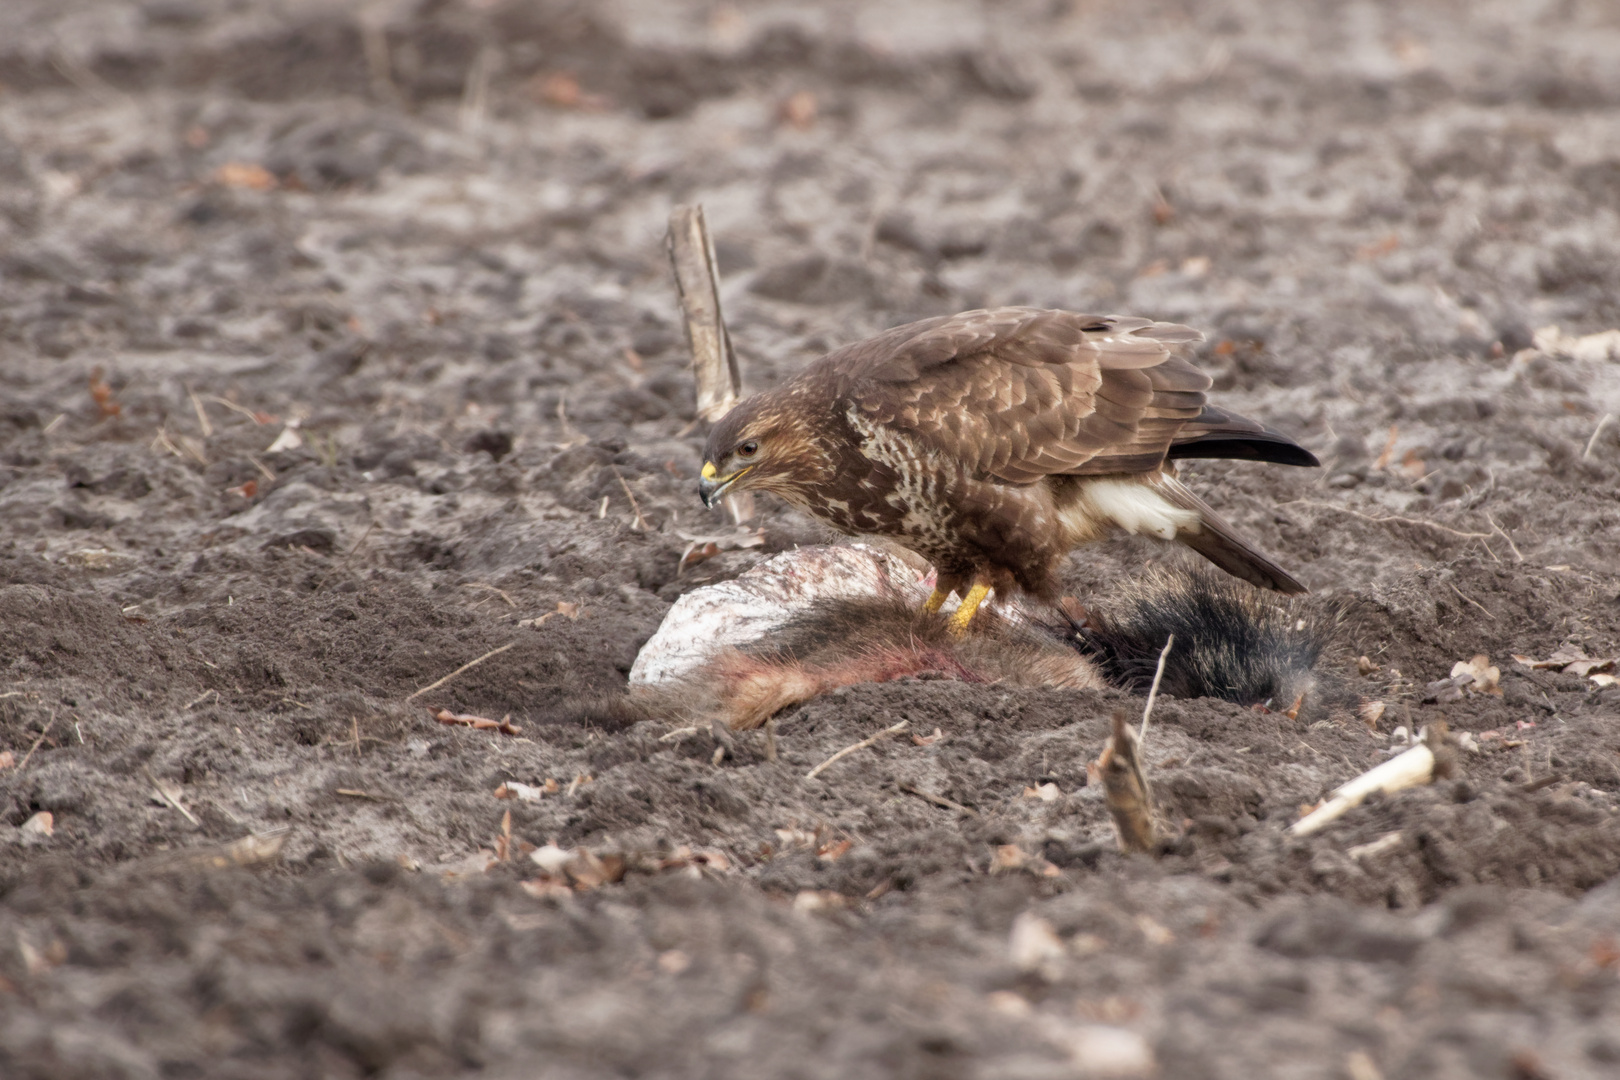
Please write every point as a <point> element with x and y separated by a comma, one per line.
<point>944,585</point>
<point>970,604</point>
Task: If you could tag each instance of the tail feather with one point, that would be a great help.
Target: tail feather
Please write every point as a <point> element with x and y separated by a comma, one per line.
<point>1221,544</point>
<point>1216,433</point>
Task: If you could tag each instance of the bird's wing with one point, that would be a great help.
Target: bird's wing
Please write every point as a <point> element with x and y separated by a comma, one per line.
<point>1022,393</point>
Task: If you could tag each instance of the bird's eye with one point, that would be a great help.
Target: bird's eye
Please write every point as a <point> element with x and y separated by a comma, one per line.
<point>748,449</point>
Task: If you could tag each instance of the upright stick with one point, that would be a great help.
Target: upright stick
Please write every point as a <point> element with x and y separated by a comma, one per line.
<point>1153,691</point>
<point>714,362</point>
<point>697,281</point>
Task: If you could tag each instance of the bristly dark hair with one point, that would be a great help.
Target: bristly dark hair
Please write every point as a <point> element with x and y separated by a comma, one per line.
<point>1233,641</point>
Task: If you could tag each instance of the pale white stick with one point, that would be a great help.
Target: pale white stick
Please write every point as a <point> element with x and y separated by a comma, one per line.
<point>1608,418</point>
<point>1153,692</point>
<point>1409,769</point>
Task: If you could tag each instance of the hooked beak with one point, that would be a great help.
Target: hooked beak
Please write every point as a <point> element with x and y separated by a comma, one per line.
<point>711,485</point>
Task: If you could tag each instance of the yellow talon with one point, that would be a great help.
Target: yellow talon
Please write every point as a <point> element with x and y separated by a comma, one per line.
<point>936,599</point>
<point>970,604</point>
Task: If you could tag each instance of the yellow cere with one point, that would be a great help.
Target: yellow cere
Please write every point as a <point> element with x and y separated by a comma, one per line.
<point>708,470</point>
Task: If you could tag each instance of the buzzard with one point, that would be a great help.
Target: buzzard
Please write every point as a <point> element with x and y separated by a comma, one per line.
<point>994,442</point>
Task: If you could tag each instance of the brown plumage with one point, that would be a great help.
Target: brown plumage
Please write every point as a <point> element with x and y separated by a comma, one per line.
<point>994,442</point>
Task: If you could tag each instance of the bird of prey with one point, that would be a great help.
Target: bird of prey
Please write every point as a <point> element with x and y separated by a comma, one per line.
<point>994,442</point>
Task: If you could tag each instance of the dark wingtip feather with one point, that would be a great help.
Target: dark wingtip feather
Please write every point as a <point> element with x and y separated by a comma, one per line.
<point>1270,448</point>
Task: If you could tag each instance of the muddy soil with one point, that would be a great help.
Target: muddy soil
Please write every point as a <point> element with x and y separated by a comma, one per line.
<point>338,349</point>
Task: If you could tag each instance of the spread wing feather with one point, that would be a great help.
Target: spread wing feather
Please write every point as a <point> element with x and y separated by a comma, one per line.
<point>1021,393</point>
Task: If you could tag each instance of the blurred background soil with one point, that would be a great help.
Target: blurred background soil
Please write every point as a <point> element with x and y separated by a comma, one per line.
<point>338,348</point>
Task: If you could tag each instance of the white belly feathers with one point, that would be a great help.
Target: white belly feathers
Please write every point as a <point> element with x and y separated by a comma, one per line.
<point>1133,506</point>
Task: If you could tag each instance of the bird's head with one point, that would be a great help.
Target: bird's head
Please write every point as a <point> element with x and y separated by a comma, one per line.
<point>756,446</point>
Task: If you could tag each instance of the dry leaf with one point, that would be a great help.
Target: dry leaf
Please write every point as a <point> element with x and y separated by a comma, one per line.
<point>1156,933</point>
<point>565,608</point>
<point>524,792</point>
<point>1378,248</point>
<point>684,858</point>
<point>699,548</point>
<point>1476,676</point>
<point>246,490</point>
<point>542,887</point>
<point>588,871</point>
<point>1371,712</point>
<point>1097,1050</point>
<point>102,395</point>
<point>579,869</point>
<point>503,842</point>
<point>8,760</point>
<point>1365,666</point>
<point>1571,659</point>
<point>1485,676</point>
<point>1047,792</point>
<point>819,900</point>
<point>41,824</point>
<point>255,849</point>
<point>245,174</point>
<point>289,439</point>
<point>36,960</point>
<point>480,723</point>
<point>833,852</point>
<point>1591,348</point>
<point>1033,945</point>
<point>1008,1003</point>
<point>799,110</point>
<point>559,88</point>
<point>1413,466</point>
<point>550,858</point>
<point>713,858</point>
<point>478,862</point>
<point>1389,448</point>
<point>1603,680</point>
<point>795,837</point>
<point>1007,857</point>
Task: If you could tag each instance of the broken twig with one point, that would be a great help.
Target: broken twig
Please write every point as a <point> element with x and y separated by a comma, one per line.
<point>1416,766</point>
<point>168,796</point>
<point>939,800</point>
<point>464,667</point>
<point>46,730</point>
<point>892,729</point>
<point>1153,691</point>
<point>641,521</point>
<point>1608,418</point>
